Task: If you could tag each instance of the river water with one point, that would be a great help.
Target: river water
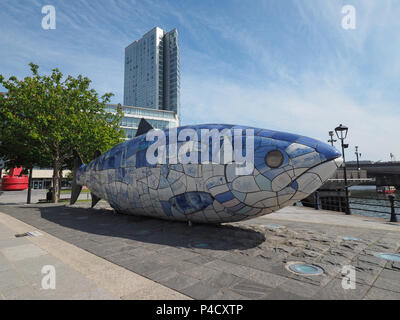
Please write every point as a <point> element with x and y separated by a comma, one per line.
<point>365,201</point>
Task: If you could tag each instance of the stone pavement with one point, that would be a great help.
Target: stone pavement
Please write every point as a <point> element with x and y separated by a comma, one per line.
<point>243,260</point>
<point>78,274</point>
<point>19,197</point>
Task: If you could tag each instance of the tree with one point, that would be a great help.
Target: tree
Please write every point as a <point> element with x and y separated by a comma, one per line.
<point>46,118</point>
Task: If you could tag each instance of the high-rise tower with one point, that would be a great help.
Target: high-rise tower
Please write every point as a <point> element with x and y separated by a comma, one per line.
<point>152,76</point>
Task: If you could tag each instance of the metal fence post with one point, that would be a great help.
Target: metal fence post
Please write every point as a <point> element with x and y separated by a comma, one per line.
<point>393,217</point>
<point>317,201</point>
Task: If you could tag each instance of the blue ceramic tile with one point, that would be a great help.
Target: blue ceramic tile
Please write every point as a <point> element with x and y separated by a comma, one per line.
<point>224,197</point>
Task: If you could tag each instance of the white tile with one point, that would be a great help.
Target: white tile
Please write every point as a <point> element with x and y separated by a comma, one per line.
<point>245,184</point>
<point>308,182</point>
<point>255,197</point>
<point>280,182</point>
<point>325,170</point>
<point>219,189</point>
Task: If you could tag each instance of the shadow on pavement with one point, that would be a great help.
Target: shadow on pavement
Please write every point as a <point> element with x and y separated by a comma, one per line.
<point>106,223</point>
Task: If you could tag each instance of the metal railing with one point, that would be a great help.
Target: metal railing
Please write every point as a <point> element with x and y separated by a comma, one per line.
<point>328,203</point>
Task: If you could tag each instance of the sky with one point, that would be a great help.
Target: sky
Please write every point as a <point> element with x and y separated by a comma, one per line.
<point>284,65</point>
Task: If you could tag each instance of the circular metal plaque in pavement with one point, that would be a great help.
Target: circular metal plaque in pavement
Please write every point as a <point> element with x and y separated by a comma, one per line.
<point>389,256</point>
<point>304,269</point>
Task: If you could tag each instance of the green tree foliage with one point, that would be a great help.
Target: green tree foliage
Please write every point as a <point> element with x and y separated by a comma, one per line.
<point>45,118</point>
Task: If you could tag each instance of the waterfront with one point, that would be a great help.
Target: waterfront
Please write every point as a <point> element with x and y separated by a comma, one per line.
<point>365,201</point>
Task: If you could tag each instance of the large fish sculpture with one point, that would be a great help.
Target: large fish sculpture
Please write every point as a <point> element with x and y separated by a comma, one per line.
<point>284,169</point>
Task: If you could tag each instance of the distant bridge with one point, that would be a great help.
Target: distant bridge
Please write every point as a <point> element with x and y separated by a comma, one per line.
<point>384,173</point>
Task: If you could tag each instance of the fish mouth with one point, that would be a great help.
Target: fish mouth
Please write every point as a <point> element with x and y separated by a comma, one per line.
<point>314,177</point>
<point>337,161</point>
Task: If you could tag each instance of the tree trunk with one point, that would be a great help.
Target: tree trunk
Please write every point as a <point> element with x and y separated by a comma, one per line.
<point>56,178</point>
<point>28,198</point>
<point>59,185</point>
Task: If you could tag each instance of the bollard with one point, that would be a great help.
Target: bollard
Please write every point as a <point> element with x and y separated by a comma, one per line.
<point>393,217</point>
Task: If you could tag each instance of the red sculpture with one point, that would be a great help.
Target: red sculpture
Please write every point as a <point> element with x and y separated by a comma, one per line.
<point>14,181</point>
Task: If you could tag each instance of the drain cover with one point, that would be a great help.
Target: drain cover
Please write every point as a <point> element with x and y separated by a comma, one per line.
<point>351,239</point>
<point>389,256</point>
<point>272,226</point>
<point>304,269</point>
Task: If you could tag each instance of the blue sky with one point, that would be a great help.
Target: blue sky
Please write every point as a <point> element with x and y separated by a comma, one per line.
<point>277,64</point>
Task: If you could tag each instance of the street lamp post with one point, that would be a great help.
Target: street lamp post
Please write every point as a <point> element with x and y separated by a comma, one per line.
<point>341,132</point>
<point>331,140</point>
<point>358,155</point>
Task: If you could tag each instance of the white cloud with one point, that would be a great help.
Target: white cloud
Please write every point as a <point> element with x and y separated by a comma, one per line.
<point>312,112</point>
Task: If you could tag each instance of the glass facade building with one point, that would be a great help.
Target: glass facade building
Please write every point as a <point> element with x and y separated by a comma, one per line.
<point>159,119</point>
<point>152,71</point>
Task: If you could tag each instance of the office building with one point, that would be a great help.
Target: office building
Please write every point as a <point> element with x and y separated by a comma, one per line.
<point>159,119</point>
<point>152,76</point>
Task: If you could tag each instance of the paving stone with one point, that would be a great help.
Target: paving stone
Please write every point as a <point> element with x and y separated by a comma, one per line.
<point>388,280</point>
<point>200,260</point>
<point>366,272</point>
<point>369,257</point>
<point>10,278</point>
<point>179,282</point>
<point>201,272</point>
<point>179,253</point>
<point>334,260</point>
<point>4,263</point>
<point>12,241</point>
<point>141,252</point>
<point>183,266</point>
<point>227,294</point>
<point>393,265</point>
<point>68,283</point>
<point>144,268</point>
<point>224,279</point>
<point>94,294</point>
<point>280,294</point>
<point>252,262</point>
<point>380,294</point>
<point>335,291</point>
<point>262,277</point>
<point>251,289</point>
<point>299,288</point>
<point>164,274</point>
<point>33,266</point>
<point>20,293</point>
<point>21,252</point>
<point>200,290</point>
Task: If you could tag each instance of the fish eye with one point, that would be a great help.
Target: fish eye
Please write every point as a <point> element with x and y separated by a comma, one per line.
<point>274,159</point>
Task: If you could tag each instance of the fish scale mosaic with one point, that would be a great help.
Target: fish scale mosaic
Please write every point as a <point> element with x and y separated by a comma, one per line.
<point>286,169</point>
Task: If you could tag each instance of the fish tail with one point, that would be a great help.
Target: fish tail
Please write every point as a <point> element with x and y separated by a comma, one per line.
<point>76,188</point>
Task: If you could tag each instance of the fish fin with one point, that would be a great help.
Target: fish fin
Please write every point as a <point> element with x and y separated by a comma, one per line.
<point>76,188</point>
<point>95,199</point>
<point>143,127</point>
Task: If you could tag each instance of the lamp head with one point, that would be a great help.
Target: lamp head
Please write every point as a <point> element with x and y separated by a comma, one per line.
<point>341,132</point>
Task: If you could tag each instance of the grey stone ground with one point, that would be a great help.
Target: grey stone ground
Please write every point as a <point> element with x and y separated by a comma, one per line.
<point>19,197</point>
<point>243,260</point>
<point>21,264</point>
